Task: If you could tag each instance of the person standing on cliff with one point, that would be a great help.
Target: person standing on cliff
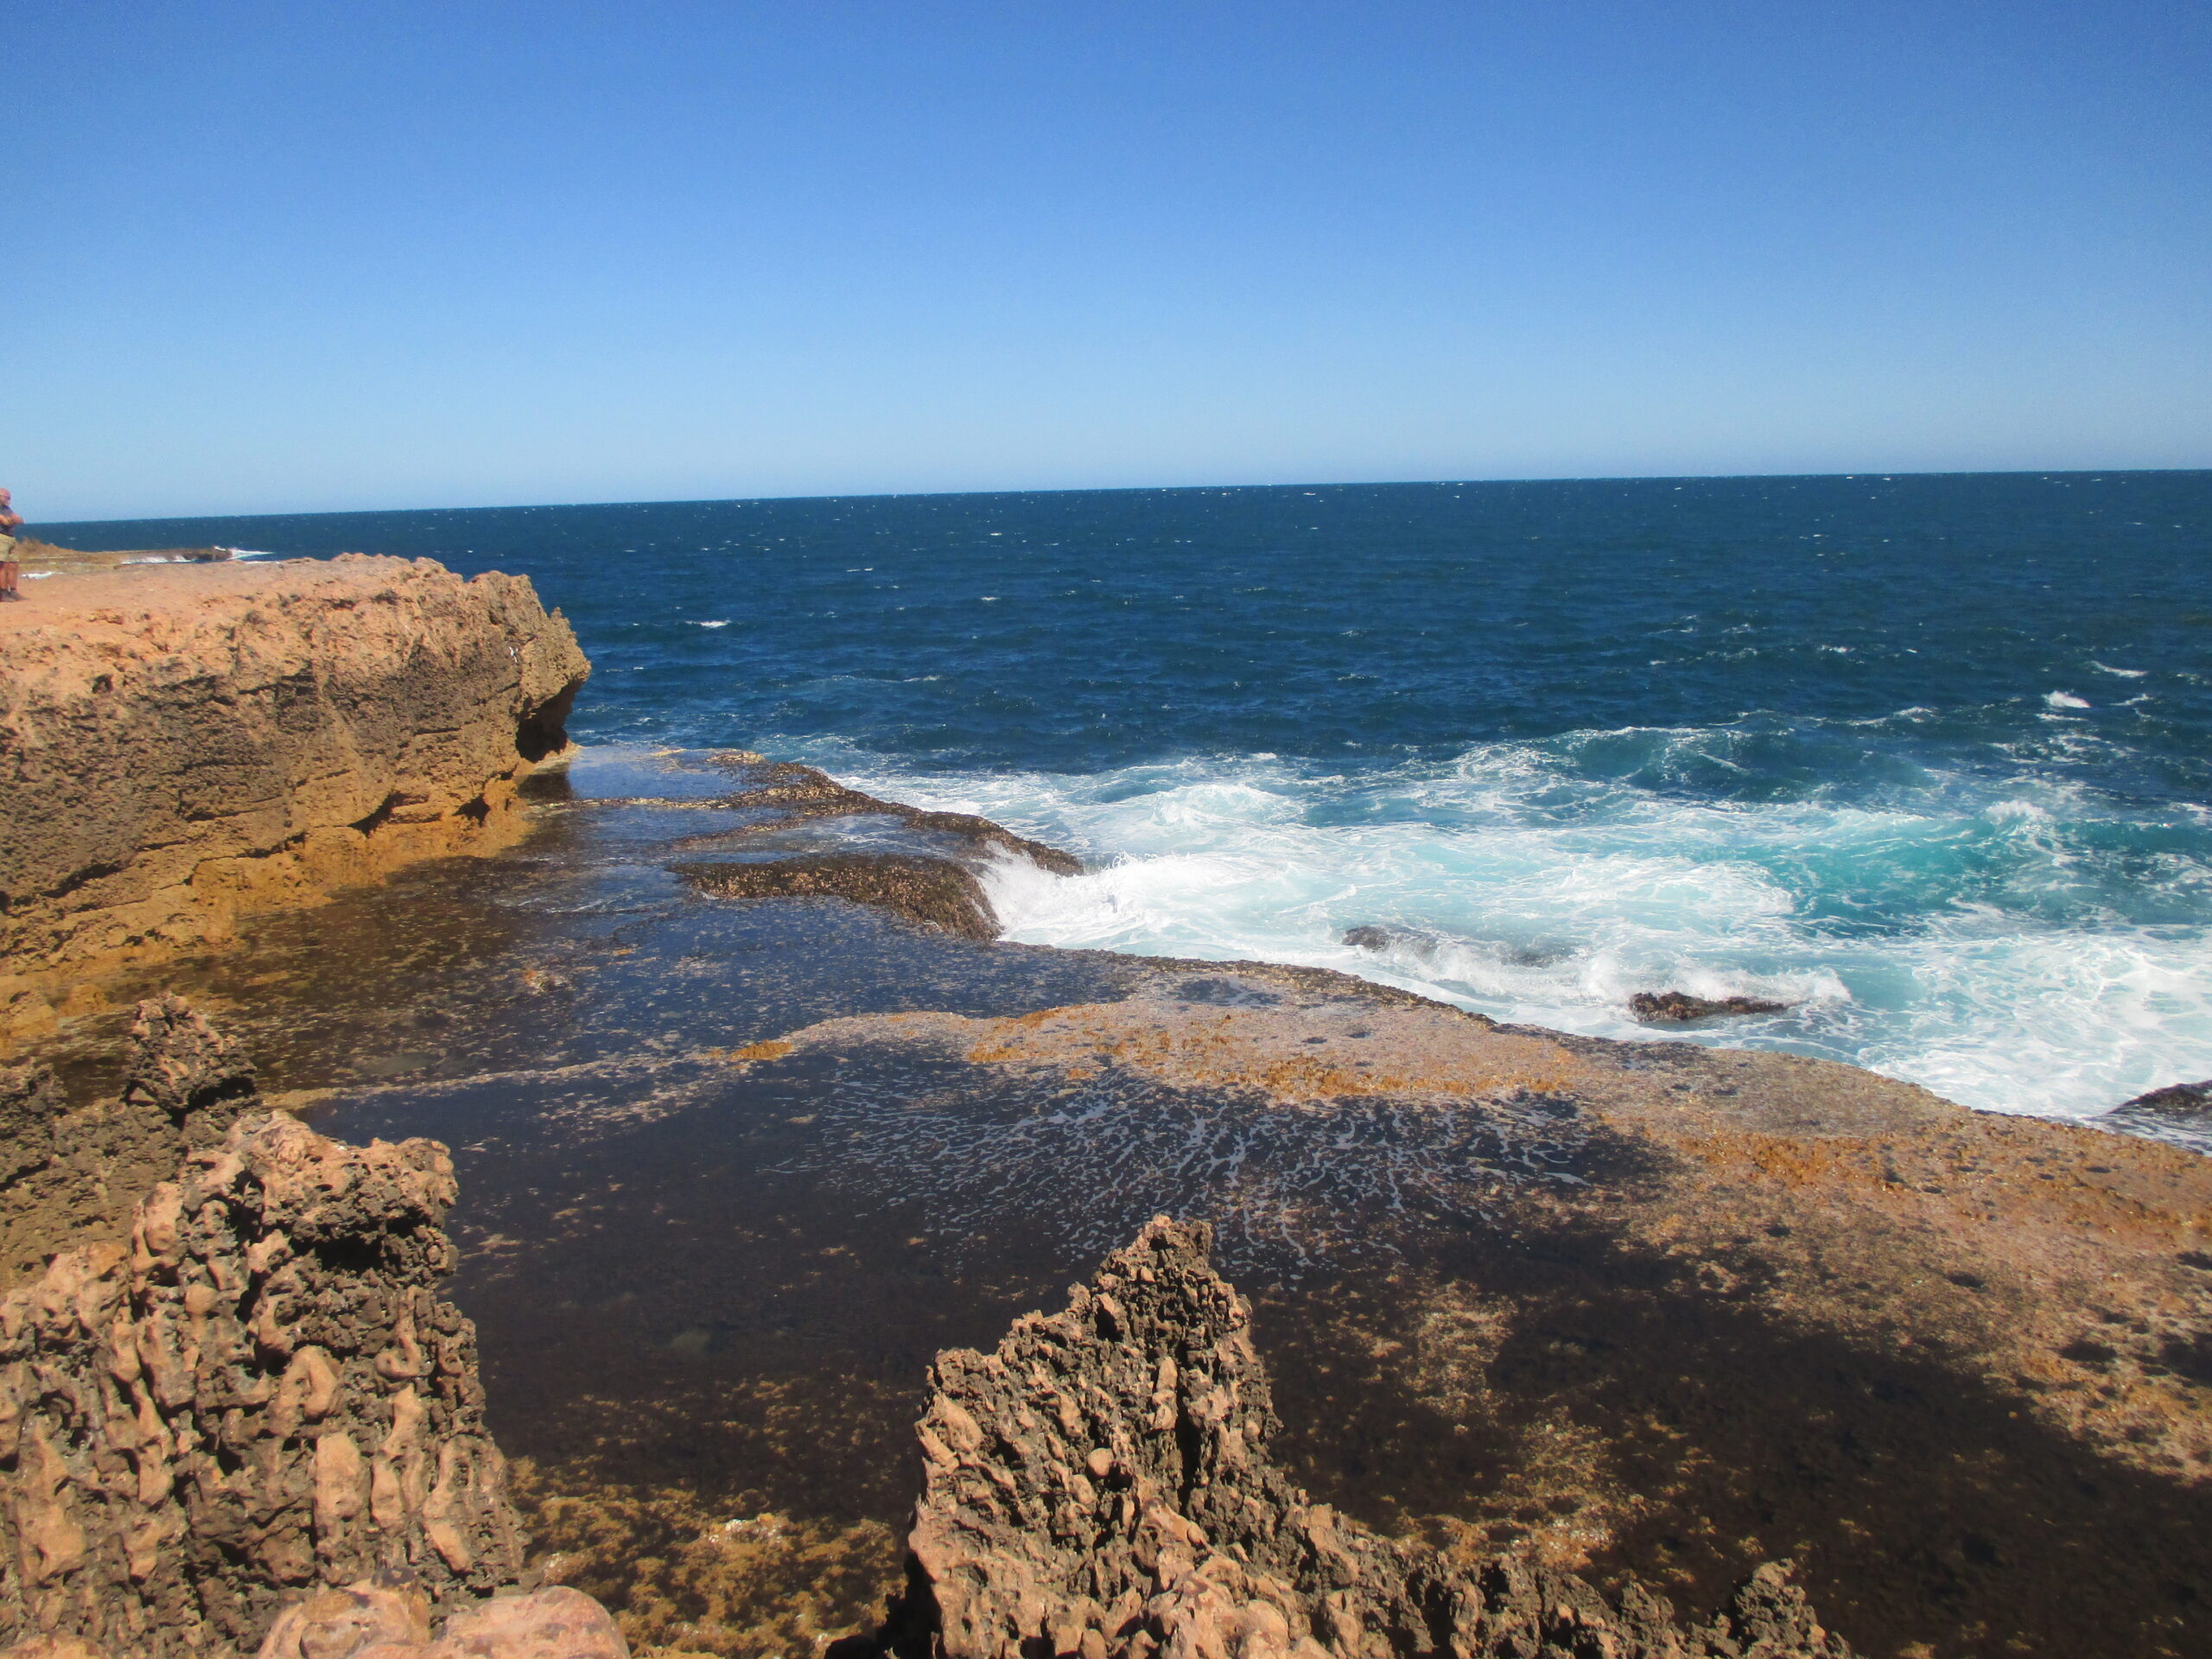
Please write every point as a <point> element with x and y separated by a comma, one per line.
<point>10,522</point>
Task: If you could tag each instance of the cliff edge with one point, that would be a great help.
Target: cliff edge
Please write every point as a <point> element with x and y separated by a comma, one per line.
<point>182,745</point>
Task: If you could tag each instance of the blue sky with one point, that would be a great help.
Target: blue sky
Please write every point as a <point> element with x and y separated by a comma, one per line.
<point>286,257</point>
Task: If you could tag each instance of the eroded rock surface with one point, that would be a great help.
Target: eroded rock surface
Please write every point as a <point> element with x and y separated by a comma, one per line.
<point>370,1620</point>
<point>182,744</point>
<point>75,1177</point>
<point>1103,1486</point>
<point>261,1392</point>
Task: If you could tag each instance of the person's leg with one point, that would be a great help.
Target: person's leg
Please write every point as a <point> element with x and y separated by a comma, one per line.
<point>8,571</point>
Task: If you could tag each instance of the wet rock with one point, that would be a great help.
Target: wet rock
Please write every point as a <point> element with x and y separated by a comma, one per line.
<point>180,1065</point>
<point>934,892</point>
<point>799,794</point>
<point>1680,1008</point>
<point>2182,1099</point>
<point>2180,1113</point>
<point>30,1100</point>
<point>1370,937</point>
<point>260,1393</point>
<point>1103,1486</point>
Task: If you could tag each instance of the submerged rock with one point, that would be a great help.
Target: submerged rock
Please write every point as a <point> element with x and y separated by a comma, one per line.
<point>1102,1485</point>
<point>934,892</point>
<point>1680,1008</point>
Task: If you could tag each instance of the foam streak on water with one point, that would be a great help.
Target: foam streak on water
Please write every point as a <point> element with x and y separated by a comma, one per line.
<point>1989,944</point>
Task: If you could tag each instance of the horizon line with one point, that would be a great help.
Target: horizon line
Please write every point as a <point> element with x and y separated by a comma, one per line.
<point>1886,476</point>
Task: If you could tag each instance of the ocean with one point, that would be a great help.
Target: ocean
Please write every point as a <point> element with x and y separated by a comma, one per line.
<point>1927,757</point>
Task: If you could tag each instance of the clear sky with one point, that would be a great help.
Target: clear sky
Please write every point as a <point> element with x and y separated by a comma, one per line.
<point>325,255</point>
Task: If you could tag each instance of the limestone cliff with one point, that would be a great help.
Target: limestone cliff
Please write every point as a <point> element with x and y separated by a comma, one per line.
<point>262,1392</point>
<point>182,744</point>
<point>1101,1486</point>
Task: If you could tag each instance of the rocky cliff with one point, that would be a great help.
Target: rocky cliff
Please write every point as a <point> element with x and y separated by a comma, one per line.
<point>260,1392</point>
<point>182,744</point>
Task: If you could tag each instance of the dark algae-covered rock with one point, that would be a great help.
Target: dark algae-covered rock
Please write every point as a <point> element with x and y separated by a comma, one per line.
<point>934,892</point>
<point>2181,1099</point>
<point>1680,1008</point>
<point>1103,1486</point>
<point>790,794</point>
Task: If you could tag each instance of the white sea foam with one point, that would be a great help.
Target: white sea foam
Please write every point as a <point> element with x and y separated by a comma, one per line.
<point>1505,884</point>
<point>2064,700</point>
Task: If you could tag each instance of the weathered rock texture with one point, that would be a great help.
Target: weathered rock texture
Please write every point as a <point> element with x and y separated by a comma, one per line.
<point>261,1393</point>
<point>75,1178</point>
<point>374,1621</point>
<point>1102,1485</point>
<point>180,745</point>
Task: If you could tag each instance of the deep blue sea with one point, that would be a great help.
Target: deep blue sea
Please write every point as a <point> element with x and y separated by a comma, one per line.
<point>1928,757</point>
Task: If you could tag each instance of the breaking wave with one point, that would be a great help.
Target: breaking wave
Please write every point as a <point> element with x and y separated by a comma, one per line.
<point>2003,940</point>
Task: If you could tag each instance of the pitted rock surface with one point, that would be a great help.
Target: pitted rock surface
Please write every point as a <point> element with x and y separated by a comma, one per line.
<point>261,1393</point>
<point>74,1177</point>
<point>1101,1486</point>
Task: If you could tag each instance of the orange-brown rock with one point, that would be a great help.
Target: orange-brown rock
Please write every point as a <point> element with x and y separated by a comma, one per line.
<point>1103,1486</point>
<point>180,745</point>
<point>369,1620</point>
<point>261,1393</point>
<point>74,1177</point>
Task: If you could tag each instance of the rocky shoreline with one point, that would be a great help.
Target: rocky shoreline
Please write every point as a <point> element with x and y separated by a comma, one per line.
<point>752,1123</point>
<point>189,744</point>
